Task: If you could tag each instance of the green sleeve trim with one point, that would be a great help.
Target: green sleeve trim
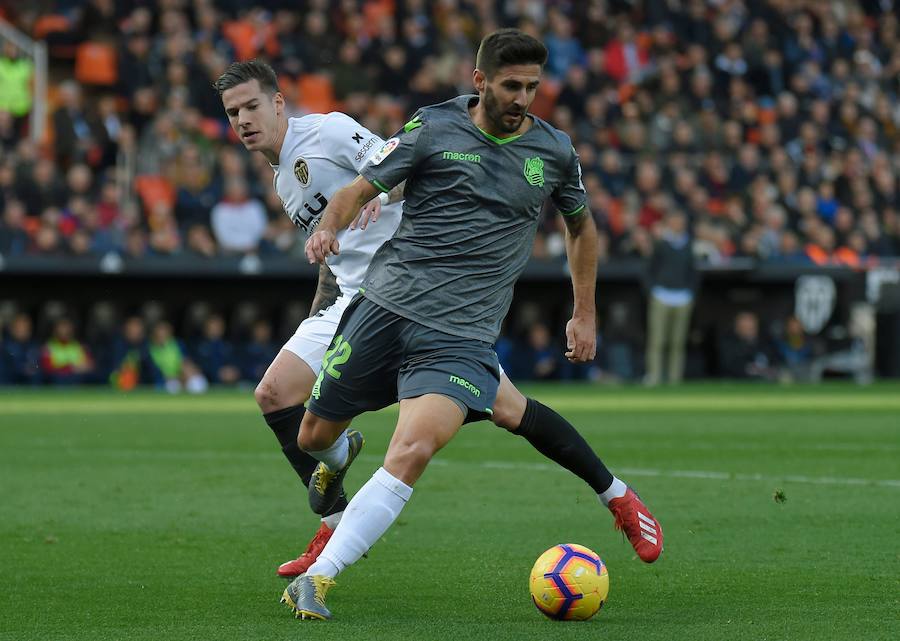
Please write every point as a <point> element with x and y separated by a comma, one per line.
<point>380,186</point>
<point>499,141</point>
<point>572,213</point>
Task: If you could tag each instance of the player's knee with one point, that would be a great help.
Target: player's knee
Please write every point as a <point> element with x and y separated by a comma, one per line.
<point>315,434</point>
<point>414,454</point>
<point>504,416</point>
<point>306,439</point>
<point>508,412</point>
<point>267,396</point>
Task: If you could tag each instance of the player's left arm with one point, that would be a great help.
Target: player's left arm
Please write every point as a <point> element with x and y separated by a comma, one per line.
<point>582,251</point>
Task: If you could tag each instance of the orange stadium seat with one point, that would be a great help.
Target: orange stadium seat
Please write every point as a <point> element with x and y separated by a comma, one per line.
<point>50,23</point>
<point>316,94</point>
<point>32,224</point>
<point>376,10</point>
<point>545,100</point>
<point>56,30</point>
<point>626,92</point>
<point>288,88</point>
<point>211,128</point>
<point>615,216</point>
<point>95,64</point>
<point>154,189</point>
<point>242,35</point>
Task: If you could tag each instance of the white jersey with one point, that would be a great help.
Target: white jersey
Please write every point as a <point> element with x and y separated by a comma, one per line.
<point>322,153</point>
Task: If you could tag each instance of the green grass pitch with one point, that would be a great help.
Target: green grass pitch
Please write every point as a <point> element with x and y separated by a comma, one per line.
<point>149,517</point>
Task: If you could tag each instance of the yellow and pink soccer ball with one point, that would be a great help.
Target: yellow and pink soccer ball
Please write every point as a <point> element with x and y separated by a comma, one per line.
<point>569,582</point>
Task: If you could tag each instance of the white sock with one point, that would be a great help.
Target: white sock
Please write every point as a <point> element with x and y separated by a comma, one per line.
<point>614,491</point>
<point>367,517</point>
<point>332,520</point>
<point>335,456</point>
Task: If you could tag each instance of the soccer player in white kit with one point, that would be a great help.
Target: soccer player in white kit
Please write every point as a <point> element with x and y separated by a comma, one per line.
<point>313,156</point>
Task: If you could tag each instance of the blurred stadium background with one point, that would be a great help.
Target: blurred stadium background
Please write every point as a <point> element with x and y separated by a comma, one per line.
<point>134,228</point>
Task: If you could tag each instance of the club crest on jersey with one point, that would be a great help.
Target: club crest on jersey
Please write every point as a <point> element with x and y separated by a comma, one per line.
<point>301,171</point>
<point>534,171</point>
<point>386,149</point>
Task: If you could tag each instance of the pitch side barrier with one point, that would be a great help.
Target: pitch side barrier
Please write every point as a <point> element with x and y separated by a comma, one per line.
<point>836,305</point>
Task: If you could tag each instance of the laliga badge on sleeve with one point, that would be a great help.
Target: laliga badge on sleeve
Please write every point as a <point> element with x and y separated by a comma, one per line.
<point>386,149</point>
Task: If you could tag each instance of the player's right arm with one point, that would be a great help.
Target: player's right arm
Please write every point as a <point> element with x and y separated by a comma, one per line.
<point>341,209</point>
<point>372,209</point>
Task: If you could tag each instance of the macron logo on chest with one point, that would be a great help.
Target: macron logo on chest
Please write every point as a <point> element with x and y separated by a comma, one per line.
<point>455,155</point>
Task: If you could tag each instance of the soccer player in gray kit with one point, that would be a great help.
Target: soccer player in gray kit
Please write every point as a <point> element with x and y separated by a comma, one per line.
<point>478,170</point>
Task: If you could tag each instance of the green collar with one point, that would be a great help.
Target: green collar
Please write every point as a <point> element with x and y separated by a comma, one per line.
<point>499,141</point>
<point>471,101</point>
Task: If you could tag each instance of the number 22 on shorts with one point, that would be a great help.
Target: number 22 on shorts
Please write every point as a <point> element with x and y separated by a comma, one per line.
<point>334,358</point>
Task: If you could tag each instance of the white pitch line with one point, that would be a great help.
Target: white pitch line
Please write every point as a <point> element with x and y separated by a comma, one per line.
<point>767,447</point>
<point>708,475</point>
<point>683,474</point>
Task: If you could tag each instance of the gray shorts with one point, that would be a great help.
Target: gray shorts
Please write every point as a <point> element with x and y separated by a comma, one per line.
<point>378,357</point>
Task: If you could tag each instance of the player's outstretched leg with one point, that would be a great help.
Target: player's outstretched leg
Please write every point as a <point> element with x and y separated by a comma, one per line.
<point>335,448</point>
<point>640,526</point>
<point>280,395</point>
<point>556,438</point>
<point>426,424</point>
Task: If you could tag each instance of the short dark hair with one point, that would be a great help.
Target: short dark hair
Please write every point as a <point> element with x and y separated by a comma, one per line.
<point>506,47</point>
<point>241,72</point>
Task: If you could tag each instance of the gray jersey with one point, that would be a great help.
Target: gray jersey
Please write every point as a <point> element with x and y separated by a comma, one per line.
<point>472,204</point>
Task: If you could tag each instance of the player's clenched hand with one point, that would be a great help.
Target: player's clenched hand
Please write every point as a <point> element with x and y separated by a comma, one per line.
<point>320,245</point>
<point>368,214</point>
<point>581,340</point>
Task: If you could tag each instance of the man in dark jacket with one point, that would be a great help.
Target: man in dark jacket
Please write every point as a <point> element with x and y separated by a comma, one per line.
<point>672,280</point>
<point>20,354</point>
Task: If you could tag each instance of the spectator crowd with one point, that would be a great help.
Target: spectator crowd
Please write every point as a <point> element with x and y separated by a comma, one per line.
<point>200,346</point>
<point>141,349</point>
<point>769,129</point>
<point>772,125</point>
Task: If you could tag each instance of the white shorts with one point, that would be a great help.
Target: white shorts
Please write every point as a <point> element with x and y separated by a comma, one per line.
<point>313,336</point>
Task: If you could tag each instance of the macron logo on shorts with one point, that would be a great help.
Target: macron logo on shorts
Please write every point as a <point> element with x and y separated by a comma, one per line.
<point>464,383</point>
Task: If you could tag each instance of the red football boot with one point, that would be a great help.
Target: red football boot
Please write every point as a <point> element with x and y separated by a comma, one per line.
<point>643,530</point>
<point>301,564</point>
